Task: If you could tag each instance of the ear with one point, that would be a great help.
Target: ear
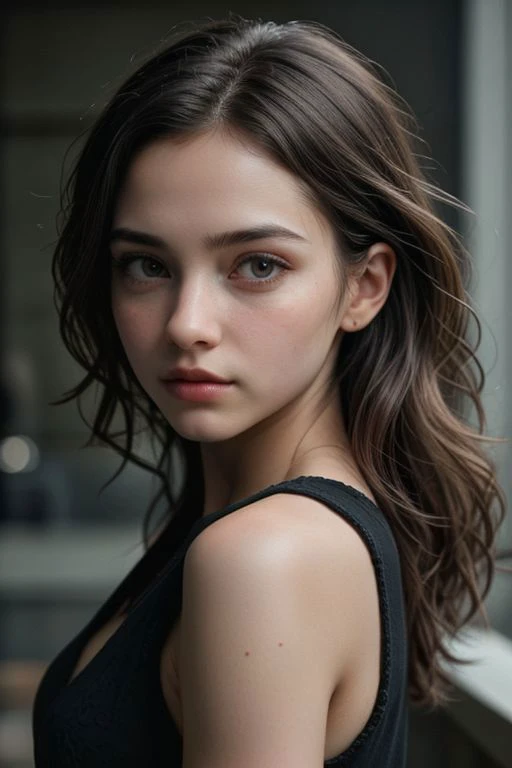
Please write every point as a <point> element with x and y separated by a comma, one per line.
<point>368,289</point>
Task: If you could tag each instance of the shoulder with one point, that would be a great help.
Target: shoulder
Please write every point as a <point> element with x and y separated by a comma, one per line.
<point>277,599</point>
<point>282,531</point>
<point>286,550</point>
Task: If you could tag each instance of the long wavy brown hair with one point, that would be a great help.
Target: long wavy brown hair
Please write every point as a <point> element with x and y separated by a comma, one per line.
<point>409,382</point>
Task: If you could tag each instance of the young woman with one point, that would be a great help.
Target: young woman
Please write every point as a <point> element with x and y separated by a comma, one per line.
<point>252,271</point>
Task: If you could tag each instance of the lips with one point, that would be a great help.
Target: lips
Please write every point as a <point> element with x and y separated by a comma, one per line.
<point>197,390</point>
<point>194,374</point>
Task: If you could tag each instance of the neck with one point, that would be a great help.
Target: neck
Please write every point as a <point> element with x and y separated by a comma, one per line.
<point>290,444</point>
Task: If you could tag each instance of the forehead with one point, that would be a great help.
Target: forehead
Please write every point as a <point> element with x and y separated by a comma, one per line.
<point>217,176</point>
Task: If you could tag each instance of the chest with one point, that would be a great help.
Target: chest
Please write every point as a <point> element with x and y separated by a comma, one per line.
<point>169,680</point>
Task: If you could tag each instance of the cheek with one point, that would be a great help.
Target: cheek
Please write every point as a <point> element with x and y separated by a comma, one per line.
<point>283,336</point>
<point>136,325</point>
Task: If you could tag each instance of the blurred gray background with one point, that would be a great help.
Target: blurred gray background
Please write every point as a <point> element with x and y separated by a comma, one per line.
<point>63,547</point>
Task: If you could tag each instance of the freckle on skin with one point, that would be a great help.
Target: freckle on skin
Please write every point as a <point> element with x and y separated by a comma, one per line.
<point>247,653</point>
<point>279,643</point>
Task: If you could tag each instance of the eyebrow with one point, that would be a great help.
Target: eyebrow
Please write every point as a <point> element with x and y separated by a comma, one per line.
<point>212,242</point>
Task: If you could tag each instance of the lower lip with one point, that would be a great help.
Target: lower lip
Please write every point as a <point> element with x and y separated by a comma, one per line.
<point>196,391</point>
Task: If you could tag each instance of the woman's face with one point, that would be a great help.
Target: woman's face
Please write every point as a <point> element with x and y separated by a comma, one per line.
<point>220,263</point>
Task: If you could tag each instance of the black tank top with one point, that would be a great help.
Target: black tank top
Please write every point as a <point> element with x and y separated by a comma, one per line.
<point>113,712</point>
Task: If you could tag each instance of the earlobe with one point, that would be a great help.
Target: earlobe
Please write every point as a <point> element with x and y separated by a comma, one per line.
<point>369,290</point>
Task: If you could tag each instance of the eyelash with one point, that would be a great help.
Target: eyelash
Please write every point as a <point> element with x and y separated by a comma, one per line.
<point>123,263</point>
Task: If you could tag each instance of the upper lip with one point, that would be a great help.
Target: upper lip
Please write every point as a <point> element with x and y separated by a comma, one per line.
<point>193,374</point>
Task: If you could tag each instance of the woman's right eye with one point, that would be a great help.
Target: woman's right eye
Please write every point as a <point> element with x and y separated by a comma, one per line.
<point>139,268</point>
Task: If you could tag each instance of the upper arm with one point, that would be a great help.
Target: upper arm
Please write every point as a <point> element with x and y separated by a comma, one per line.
<point>257,661</point>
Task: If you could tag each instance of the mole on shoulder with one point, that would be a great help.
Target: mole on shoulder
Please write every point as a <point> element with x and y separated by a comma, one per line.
<point>247,653</point>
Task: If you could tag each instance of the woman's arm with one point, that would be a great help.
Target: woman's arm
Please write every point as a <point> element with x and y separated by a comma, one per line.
<point>265,634</point>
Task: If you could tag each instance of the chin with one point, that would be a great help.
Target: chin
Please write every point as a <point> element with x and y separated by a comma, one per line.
<point>201,431</point>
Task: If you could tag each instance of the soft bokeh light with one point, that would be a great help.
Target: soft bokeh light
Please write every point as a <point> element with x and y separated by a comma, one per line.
<point>18,454</point>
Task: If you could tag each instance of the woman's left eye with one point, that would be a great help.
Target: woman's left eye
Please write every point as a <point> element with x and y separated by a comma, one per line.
<point>261,268</point>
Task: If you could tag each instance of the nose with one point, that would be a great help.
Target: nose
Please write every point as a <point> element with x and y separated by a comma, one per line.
<point>194,318</point>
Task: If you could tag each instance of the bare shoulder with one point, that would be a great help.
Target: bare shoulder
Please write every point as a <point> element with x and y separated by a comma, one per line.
<point>278,597</point>
<point>289,550</point>
<point>284,531</point>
